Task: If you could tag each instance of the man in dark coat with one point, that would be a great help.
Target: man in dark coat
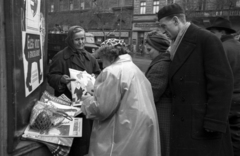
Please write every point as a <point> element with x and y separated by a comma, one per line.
<point>73,56</point>
<point>222,29</point>
<point>201,83</point>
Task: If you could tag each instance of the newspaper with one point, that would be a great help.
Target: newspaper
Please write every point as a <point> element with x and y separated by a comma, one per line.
<point>66,129</point>
<point>60,104</point>
<point>84,85</point>
<point>63,100</point>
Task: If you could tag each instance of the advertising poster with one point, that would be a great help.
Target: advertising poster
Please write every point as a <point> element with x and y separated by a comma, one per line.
<point>32,61</point>
<point>33,34</point>
<point>32,15</point>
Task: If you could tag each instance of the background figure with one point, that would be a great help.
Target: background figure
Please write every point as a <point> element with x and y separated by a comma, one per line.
<point>76,57</point>
<point>157,74</point>
<point>201,85</point>
<point>223,30</point>
<point>123,110</point>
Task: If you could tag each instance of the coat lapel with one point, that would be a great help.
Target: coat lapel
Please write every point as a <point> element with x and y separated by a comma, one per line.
<point>76,60</point>
<point>69,54</point>
<point>184,50</point>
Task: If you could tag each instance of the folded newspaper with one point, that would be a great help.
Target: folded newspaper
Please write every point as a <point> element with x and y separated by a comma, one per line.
<point>66,129</point>
<point>83,86</point>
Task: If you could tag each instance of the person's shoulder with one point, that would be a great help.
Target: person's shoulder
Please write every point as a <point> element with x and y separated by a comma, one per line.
<point>203,32</point>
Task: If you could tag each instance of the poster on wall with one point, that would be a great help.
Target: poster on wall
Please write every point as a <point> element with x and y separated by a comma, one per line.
<point>32,61</point>
<point>33,34</point>
<point>32,15</point>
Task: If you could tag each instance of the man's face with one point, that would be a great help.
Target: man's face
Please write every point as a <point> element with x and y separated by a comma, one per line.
<point>79,40</point>
<point>169,27</point>
<point>216,33</point>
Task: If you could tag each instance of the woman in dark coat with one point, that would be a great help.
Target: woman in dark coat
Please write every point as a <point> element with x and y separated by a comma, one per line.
<point>76,57</point>
<point>157,74</point>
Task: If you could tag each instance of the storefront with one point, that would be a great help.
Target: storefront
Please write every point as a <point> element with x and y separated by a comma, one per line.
<point>99,36</point>
<point>142,24</point>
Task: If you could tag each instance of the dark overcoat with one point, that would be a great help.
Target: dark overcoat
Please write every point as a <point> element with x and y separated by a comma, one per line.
<point>157,74</point>
<point>59,66</point>
<point>201,83</point>
<point>232,49</point>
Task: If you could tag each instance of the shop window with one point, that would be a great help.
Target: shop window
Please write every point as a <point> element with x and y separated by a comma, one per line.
<point>155,6</point>
<point>142,7</point>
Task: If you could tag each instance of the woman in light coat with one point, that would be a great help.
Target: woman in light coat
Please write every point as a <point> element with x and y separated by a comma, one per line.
<point>123,110</point>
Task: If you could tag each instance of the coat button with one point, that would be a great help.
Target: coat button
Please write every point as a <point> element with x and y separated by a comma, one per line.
<point>181,78</point>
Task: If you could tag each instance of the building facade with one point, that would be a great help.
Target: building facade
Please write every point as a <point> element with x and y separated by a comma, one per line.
<point>144,20</point>
<point>103,18</point>
<point>199,12</point>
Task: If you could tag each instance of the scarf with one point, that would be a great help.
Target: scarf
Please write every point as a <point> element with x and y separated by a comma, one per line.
<point>174,44</point>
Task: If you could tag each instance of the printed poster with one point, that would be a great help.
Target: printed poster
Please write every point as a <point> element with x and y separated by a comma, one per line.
<point>32,61</point>
<point>33,35</point>
<point>33,15</point>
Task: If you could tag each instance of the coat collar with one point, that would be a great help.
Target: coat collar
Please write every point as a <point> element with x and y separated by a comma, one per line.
<point>68,52</point>
<point>184,50</point>
<point>123,58</point>
<point>159,58</point>
<point>226,37</point>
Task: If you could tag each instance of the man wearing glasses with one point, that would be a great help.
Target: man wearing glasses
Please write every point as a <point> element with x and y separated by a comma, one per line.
<point>201,85</point>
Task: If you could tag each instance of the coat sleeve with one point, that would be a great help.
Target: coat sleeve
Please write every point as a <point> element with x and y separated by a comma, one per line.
<point>106,98</point>
<point>219,84</point>
<point>54,75</point>
<point>158,77</point>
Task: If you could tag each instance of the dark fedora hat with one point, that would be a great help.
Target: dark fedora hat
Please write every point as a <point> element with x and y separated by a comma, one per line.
<point>222,24</point>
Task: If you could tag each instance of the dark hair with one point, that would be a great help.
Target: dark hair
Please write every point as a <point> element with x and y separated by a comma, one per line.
<point>112,52</point>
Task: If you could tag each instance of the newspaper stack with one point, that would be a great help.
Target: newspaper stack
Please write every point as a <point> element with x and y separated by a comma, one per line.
<point>62,134</point>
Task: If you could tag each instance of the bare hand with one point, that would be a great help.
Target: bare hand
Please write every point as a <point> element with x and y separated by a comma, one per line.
<point>65,79</point>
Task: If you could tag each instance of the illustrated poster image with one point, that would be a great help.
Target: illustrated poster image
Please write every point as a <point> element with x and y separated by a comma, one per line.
<point>32,15</point>
<point>33,62</point>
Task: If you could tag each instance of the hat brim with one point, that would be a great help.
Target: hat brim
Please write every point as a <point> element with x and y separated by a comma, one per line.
<point>224,28</point>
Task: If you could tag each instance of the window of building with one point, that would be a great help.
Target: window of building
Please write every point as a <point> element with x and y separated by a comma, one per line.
<point>142,7</point>
<point>76,4</point>
<point>82,6</point>
<point>155,6</point>
<point>52,8</point>
<point>70,4</point>
<point>63,5</point>
<point>238,3</point>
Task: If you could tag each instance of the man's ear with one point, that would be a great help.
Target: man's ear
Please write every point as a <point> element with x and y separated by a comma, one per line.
<point>176,20</point>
